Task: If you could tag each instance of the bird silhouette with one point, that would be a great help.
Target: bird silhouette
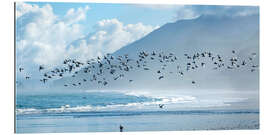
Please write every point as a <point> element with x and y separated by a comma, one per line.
<point>117,66</point>
<point>21,69</point>
<point>161,77</point>
<point>161,105</point>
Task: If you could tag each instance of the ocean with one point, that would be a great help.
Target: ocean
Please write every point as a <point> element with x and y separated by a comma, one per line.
<point>106,111</point>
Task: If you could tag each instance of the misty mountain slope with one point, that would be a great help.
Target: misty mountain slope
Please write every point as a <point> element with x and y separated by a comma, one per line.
<point>218,34</point>
<point>206,32</point>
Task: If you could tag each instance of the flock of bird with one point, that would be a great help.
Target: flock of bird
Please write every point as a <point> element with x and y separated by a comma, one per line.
<point>117,66</point>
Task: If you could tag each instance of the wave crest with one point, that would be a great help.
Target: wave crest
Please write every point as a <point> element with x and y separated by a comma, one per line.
<point>88,108</point>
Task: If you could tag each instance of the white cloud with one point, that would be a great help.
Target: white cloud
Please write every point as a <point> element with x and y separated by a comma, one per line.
<point>109,36</point>
<point>45,38</point>
<point>190,11</point>
<point>73,16</point>
<point>186,12</point>
<point>22,8</point>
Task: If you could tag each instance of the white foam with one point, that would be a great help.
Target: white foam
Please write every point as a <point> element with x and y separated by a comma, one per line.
<point>88,108</point>
<point>27,111</point>
<point>178,101</point>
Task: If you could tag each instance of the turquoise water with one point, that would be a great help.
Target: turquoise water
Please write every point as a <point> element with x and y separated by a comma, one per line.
<point>105,111</point>
<point>76,101</point>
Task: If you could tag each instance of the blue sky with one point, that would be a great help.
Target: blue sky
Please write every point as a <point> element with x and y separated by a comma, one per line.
<point>43,27</point>
<point>126,13</point>
<point>47,33</point>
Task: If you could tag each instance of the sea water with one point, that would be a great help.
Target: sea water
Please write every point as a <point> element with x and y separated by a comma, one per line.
<point>105,111</point>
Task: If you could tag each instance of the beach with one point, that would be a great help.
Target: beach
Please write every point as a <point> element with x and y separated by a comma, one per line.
<point>138,121</point>
<point>106,111</point>
<point>184,68</point>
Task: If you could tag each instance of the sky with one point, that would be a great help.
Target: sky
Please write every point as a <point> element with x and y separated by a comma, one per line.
<point>126,13</point>
<point>47,33</point>
<point>71,21</point>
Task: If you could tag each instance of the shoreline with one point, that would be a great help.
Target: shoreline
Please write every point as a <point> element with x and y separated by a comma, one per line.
<point>76,122</point>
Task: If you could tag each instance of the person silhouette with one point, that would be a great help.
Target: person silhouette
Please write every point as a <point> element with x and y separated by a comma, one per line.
<point>121,128</point>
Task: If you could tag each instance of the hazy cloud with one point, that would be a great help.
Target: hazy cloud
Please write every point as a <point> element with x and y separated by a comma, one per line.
<point>190,12</point>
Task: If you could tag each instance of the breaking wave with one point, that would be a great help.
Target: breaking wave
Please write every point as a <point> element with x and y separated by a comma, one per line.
<point>108,101</point>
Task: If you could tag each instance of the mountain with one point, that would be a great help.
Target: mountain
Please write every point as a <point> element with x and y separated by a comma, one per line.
<point>217,34</point>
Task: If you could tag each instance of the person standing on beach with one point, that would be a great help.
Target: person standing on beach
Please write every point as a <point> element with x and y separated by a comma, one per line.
<point>121,128</point>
